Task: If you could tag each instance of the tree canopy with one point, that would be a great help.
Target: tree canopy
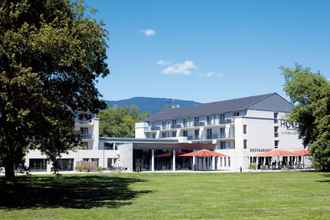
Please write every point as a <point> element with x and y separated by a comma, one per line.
<point>310,93</point>
<point>119,122</point>
<point>51,54</point>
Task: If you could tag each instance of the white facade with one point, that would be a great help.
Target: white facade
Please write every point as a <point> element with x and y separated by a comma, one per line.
<point>237,134</point>
<point>91,149</point>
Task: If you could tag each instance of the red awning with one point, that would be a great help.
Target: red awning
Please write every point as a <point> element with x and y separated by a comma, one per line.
<point>302,153</point>
<point>203,153</point>
<point>275,153</point>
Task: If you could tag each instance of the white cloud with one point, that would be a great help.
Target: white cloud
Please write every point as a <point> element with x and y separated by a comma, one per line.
<point>163,63</point>
<point>149,32</point>
<point>212,74</point>
<point>184,68</point>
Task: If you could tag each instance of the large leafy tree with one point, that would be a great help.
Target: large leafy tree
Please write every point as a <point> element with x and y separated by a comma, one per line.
<point>119,122</point>
<point>51,54</point>
<point>310,92</point>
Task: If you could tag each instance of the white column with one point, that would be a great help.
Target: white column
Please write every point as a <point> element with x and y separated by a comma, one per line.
<point>49,166</point>
<point>213,163</point>
<point>194,163</point>
<point>173,160</point>
<point>152,159</point>
<point>256,163</point>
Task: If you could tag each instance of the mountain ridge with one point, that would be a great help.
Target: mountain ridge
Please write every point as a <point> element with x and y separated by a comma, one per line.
<point>151,104</point>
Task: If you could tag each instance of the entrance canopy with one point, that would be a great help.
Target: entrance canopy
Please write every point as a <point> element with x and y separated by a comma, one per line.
<point>203,153</point>
<point>275,153</point>
<point>168,154</point>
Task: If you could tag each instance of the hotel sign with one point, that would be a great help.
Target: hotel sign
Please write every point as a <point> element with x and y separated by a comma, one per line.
<point>291,127</point>
<point>288,125</point>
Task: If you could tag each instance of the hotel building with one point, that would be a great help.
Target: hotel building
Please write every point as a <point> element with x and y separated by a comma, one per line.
<point>238,128</point>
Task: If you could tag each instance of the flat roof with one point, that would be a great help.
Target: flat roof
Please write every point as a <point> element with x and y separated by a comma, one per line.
<point>149,143</point>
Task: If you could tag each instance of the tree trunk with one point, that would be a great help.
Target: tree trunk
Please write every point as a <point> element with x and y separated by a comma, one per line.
<point>9,169</point>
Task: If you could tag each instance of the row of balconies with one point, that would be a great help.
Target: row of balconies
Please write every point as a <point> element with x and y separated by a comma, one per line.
<point>210,137</point>
<point>189,125</point>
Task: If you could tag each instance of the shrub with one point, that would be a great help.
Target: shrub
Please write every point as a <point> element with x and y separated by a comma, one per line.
<point>86,166</point>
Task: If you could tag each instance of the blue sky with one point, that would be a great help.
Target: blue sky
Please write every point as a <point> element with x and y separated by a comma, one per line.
<point>210,50</point>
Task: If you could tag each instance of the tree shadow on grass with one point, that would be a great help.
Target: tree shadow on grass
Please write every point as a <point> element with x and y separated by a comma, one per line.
<point>68,192</point>
<point>326,178</point>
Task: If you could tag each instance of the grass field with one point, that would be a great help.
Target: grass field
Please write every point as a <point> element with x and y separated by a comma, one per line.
<point>293,195</point>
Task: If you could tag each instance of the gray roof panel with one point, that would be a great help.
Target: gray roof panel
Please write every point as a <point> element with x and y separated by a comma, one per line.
<point>220,107</point>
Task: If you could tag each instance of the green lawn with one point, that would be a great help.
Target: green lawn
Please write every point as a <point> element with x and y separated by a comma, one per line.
<point>292,195</point>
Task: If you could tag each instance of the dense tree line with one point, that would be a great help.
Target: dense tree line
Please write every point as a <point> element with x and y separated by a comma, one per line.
<point>119,122</point>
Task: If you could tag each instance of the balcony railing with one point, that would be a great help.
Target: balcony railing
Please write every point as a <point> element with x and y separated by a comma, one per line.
<point>176,126</point>
<point>199,123</point>
<point>85,136</point>
<point>155,128</point>
<point>217,136</point>
<point>193,138</point>
<point>84,121</point>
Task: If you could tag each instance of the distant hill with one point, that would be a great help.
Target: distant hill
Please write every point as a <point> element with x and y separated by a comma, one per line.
<point>152,105</point>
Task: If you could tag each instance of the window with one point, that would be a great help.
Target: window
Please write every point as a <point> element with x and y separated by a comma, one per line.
<point>236,114</point>
<point>64,164</point>
<point>220,161</point>
<point>196,132</point>
<point>222,144</point>
<point>108,146</point>
<point>96,161</point>
<point>163,134</point>
<point>184,122</point>
<point>38,164</point>
<point>222,118</point>
<point>209,133</point>
<point>228,161</point>
<point>276,142</point>
<point>163,124</point>
<point>275,131</point>
<point>222,133</point>
<point>208,120</point>
<point>173,123</point>
<point>196,121</point>
<point>84,133</point>
<point>173,133</point>
<point>244,143</point>
<point>225,161</point>
<point>275,117</point>
<point>185,133</point>
<point>110,163</point>
<point>244,129</point>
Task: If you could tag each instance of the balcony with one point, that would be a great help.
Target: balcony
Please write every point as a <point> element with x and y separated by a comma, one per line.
<point>226,121</point>
<point>218,136</point>
<point>155,128</point>
<point>85,136</point>
<point>199,123</point>
<point>176,126</point>
<point>193,138</point>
